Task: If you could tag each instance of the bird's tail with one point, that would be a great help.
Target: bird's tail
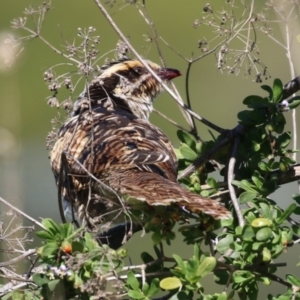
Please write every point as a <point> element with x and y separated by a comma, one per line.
<point>157,190</point>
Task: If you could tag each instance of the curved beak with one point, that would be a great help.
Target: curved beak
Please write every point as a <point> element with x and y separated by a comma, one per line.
<point>168,73</point>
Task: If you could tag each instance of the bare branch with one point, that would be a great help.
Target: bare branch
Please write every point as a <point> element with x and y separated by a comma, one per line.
<point>22,213</point>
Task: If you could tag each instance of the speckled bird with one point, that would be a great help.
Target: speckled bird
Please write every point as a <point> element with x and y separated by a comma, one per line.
<point>113,157</point>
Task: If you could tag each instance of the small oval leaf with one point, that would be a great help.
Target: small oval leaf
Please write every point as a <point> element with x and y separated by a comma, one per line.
<point>170,283</point>
<point>263,234</point>
<point>187,152</point>
<point>206,266</point>
<point>261,222</point>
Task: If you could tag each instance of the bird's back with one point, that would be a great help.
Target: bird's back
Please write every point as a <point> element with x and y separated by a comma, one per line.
<point>112,145</point>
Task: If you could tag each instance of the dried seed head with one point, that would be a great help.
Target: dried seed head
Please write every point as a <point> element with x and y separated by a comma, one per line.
<point>48,75</point>
<point>202,43</point>
<point>68,83</point>
<point>121,49</point>
<point>53,87</point>
<point>207,8</point>
<point>67,104</point>
<point>196,23</point>
<point>18,23</point>
<point>53,102</point>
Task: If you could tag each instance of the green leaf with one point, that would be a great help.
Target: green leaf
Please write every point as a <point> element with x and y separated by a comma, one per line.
<point>90,243</point>
<point>255,101</point>
<point>178,154</point>
<point>183,295</point>
<point>292,279</point>
<point>212,183</point>
<point>268,89</point>
<point>50,225</point>
<point>287,160</point>
<point>247,197</point>
<point>277,90</point>
<point>145,288</point>
<point>296,197</point>
<point>263,234</point>
<point>261,222</point>
<point>258,180</point>
<point>146,257</point>
<point>187,138</point>
<point>46,235</point>
<point>156,237</point>
<point>263,166</point>
<point>283,167</point>
<point>40,279</point>
<point>222,296</point>
<point>241,276</point>
<point>54,284</point>
<point>180,262</point>
<point>196,252</point>
<point>170,283</point>
<point>206,266</point>
<point>221,277</point>
<point>266,254</point>
<point>245,185</point>
<point>49,249</point>
<point>132,281</point>
<point>192,266</point>
<point>187,152</point>
<point>296,229</point>
<point>15,295</point>
<point>286,213</point>
<point>136,295</point>
<point>77,247</point>
<point>224,244</point>
<point>8,296</point>
<point>284,139</point>
<point>248,233</point>
<point>251,117</point>
<point>293,103</point>
<point>258,246</point>
<point>256,146</point>
<point>154,287</point>
<point>266,210</point>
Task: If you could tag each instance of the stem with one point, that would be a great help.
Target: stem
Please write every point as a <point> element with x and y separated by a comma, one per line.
<point>233,197</point>
<point>22,213</point>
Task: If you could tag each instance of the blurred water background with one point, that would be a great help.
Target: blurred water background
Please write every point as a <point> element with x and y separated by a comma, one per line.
<point>25,175</point>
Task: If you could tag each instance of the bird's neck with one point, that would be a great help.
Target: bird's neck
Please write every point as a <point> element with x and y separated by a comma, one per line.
<point>141,109</point>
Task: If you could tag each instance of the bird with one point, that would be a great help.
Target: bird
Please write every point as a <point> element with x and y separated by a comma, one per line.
<point>109,158</point>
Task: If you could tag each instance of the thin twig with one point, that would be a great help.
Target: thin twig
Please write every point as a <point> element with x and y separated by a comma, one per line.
<point>17,259</point>
<point>188,99</point>
<point>230,178</point>
<point>170,120</point>
<point>151,24</point>
<point>16,278</point>
<point>22,213</point>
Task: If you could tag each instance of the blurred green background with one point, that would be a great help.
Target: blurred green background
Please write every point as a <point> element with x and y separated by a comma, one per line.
<point>25,175</point>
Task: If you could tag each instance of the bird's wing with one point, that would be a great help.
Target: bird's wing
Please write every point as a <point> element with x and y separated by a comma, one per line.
<point>103,139</point>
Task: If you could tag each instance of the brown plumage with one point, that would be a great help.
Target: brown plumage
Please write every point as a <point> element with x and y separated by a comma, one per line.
<point>114,141</point>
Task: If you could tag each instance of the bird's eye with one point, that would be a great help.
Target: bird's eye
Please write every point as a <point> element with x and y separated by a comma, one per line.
<point>138,70</point>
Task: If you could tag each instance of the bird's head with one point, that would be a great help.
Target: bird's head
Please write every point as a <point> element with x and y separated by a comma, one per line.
<point>130,86</point>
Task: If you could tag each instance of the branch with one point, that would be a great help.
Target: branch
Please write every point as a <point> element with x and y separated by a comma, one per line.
<point>22,213</point>
<point>18,258</point>
<point>288,90</point>
<point>233,197</point>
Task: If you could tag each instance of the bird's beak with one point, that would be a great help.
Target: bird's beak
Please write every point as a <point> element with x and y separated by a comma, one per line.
<point>168,74</point>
